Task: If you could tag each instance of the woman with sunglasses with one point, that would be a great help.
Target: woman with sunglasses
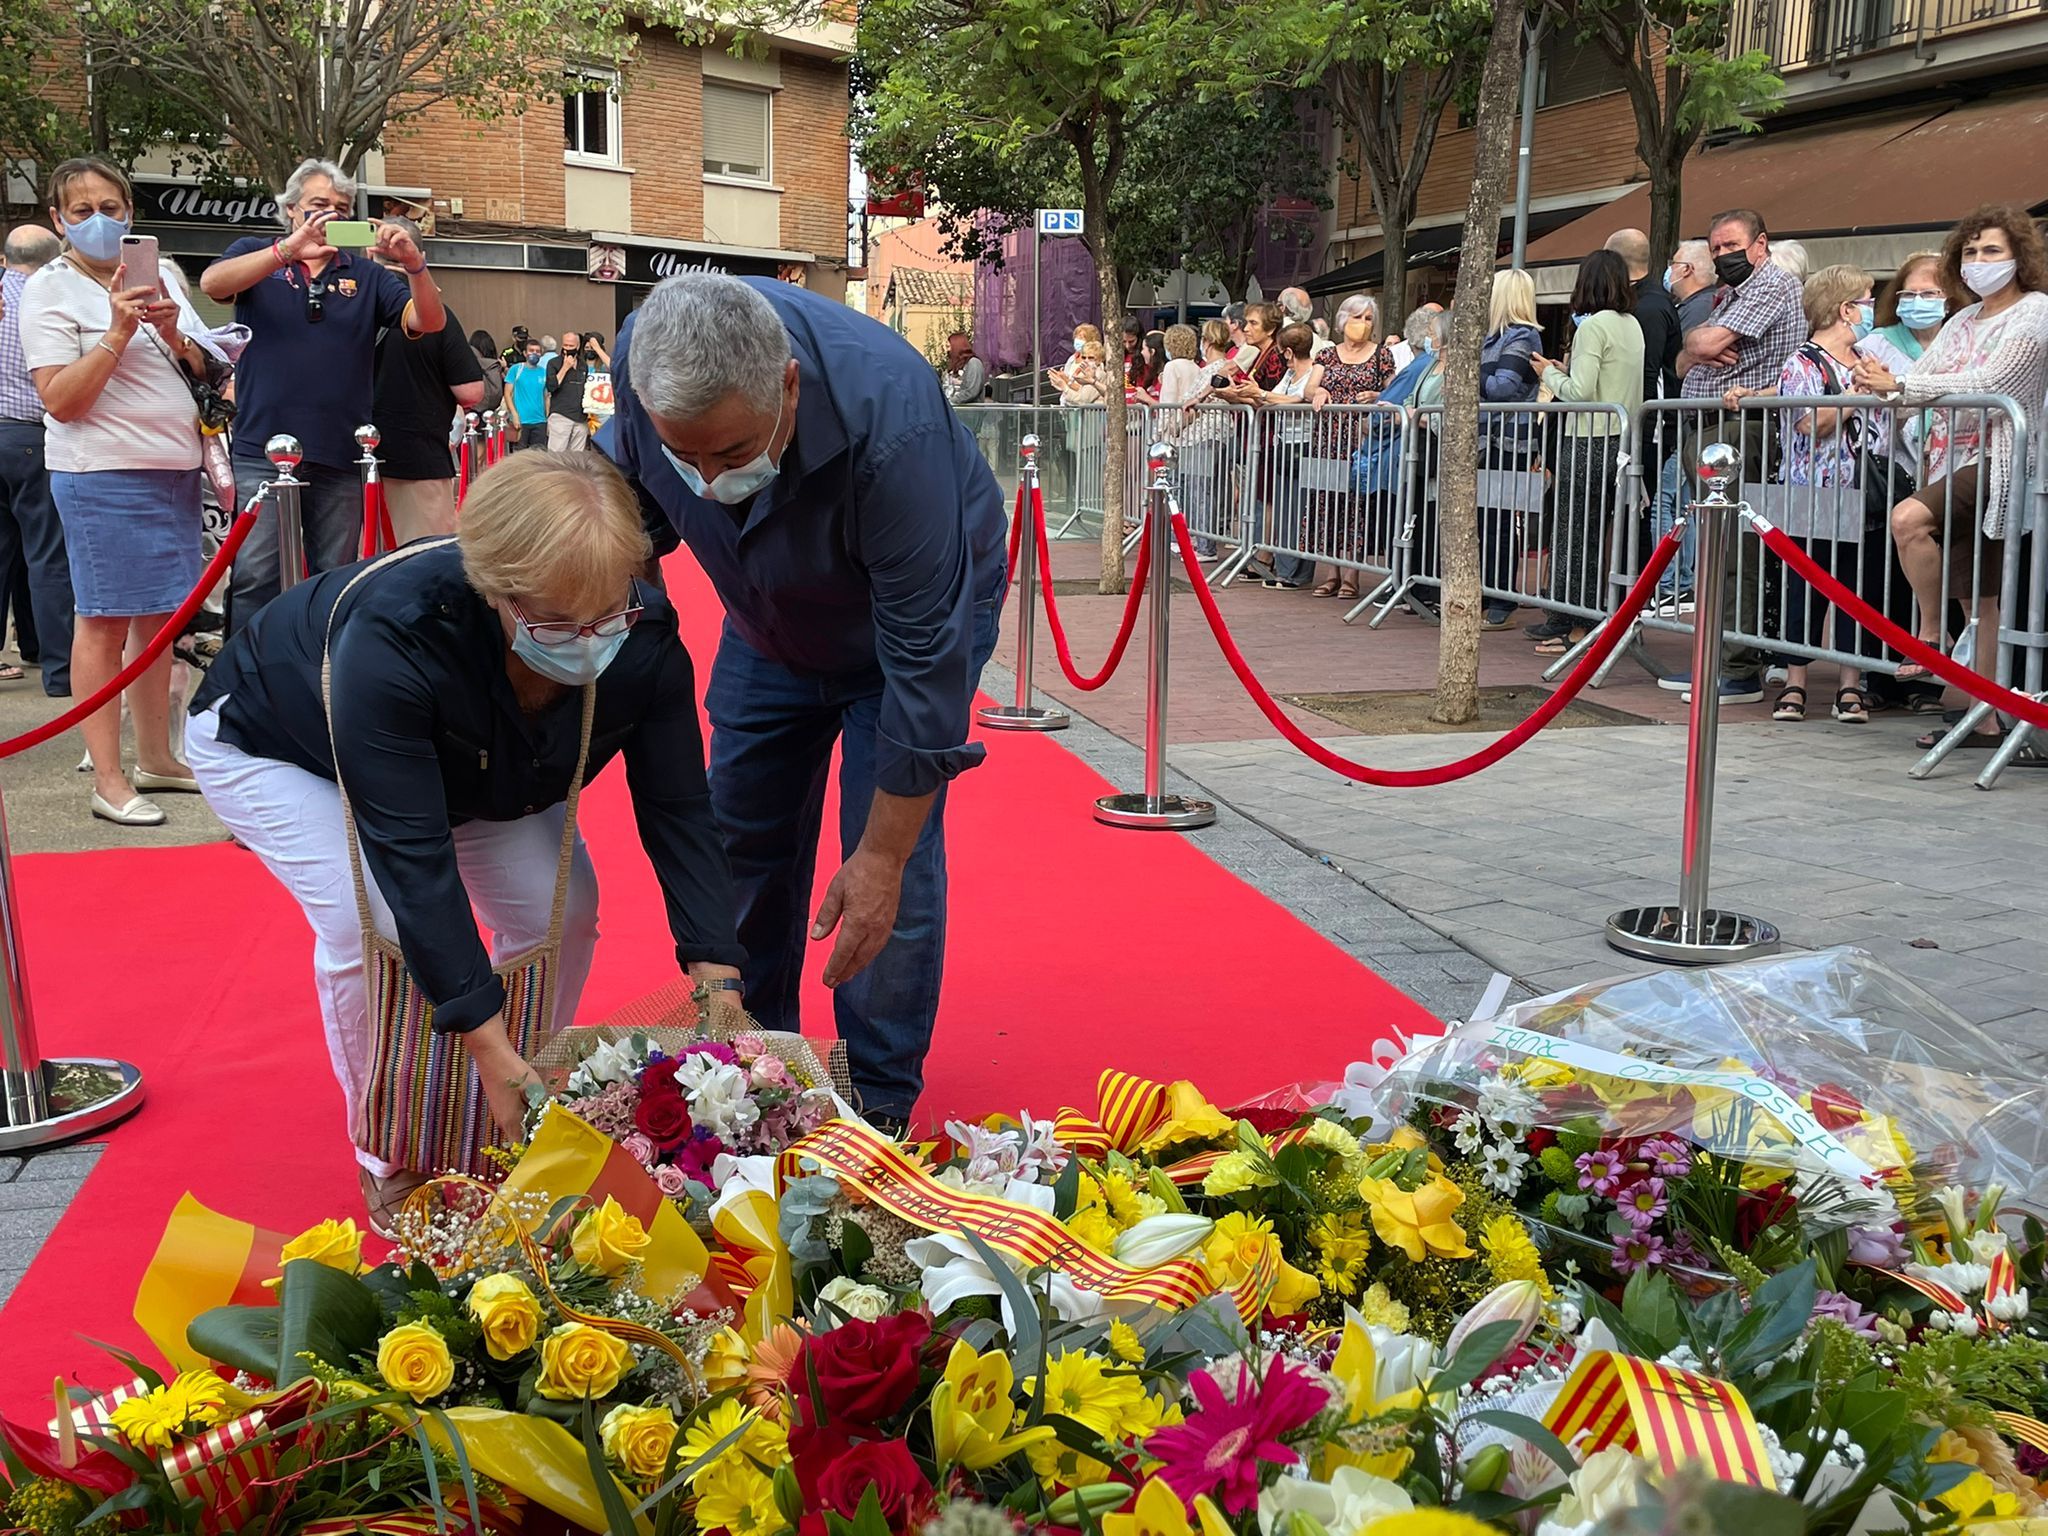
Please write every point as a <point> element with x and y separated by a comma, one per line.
<point>458,674</point>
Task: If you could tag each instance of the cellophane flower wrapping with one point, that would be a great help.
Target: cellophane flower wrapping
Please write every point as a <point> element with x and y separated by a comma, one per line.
<point>1887,1075</point>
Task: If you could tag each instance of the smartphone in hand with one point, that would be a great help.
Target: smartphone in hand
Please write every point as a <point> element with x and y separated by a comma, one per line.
<point>349,234</point>
<point>145,264</point>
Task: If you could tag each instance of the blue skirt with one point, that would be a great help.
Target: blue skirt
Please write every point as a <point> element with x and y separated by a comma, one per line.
<point>132,536</point>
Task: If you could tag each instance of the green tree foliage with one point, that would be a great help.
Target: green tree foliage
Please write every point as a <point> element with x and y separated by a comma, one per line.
<point>1682,82</point>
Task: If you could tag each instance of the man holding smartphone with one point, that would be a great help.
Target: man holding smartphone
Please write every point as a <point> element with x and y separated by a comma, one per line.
<point>314,309</point>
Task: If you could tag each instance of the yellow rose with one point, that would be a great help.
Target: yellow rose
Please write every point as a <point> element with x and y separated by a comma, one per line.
<point>1236,1248</point>
<point>638,1439</point>
<point>413,1359</point>
<point>578,1361</point>
<point>607,1239</point>
<point>337,1244</point>
<point>508,1313</point>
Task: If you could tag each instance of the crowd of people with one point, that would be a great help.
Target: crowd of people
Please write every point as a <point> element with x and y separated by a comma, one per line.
<point>1908,502</point>
<point>112,384</point>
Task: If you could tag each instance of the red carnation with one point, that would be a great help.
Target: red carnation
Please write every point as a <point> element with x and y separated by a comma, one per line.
<point>891,1471</point>
<point>867,1371</point>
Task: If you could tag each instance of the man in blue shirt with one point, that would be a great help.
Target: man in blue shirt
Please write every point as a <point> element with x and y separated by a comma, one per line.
<point>527,381</point>
<point>314,315</point>
<point>811,461</point>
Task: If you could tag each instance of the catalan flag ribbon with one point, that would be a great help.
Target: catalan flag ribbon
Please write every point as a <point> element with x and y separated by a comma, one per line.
<point>2018,1426</point>
<point>851,1151</point>
<point>1127,1110</point>
<point>1671,1415</point>
<point>205,1260</point>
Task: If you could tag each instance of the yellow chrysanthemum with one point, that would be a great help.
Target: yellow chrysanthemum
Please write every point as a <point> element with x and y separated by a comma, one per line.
<point>1128,1204</point>
<point>1329,1136</point>
<point>1511,1253</point>
<point>153,1420</point>
<point>1061,1466</point>
<point>1232,1174</point>
<point>738,1498</point>
<point>1089,1390</point>
<point>761,1440</point>
<point>1091,1224</point>
<point>1378,1308</point>
<point>1124,1344</point>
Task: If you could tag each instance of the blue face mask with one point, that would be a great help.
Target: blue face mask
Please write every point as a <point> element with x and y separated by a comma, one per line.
<point>1865,319</point>
<point>1667,280</point>
<point>1577,321</point>
<point>98,238</point>
<point>735,485</point>
<point>574,664</point>
<point>1922,312</point>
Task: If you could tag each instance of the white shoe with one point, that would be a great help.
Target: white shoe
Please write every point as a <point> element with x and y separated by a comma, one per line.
<point>138,812</point>
<point>166,783</point>
<point>85,763</point>
<point>1776,677</point>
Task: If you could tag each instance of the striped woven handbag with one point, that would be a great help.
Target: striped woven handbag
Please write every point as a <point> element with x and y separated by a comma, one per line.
<point>424,1107</point>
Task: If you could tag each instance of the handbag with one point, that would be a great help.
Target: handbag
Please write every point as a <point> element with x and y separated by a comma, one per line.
<point>1883,483</point>
<point>424,1107</point>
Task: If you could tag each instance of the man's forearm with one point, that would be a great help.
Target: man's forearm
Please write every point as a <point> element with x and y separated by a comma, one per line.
<point>894,824</point>
<point>427,313</point>
<point>233,275</point>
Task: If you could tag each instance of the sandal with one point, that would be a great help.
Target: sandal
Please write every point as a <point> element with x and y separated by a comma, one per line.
<point>1912,671</point>
<point>1325,588</point>
<point>1852,706</point>
<point>1976,741</point>
<point>1789,708</point>
<point>1347,591</point>
<point>1556,645</point>
<point>10,673</point>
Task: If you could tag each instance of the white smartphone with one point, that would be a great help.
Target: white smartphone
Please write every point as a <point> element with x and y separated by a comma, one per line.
<point>145,266</point>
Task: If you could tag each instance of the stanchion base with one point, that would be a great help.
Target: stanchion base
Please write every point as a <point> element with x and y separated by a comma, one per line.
<point>1009,717</point>
<point>1653,933</point>
<point>1164,813</point>
<point>84,1095</point>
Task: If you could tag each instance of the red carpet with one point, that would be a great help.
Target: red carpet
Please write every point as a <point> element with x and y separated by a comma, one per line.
<point>1073,947</point>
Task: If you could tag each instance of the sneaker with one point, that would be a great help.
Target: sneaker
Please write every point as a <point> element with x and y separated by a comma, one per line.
<point>1735,690</point>
<point>1677,682</point>
<point>1685,602</point>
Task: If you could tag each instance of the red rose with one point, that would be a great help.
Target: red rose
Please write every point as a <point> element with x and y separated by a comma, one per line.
<point>812,1450</point>
<point>1539,1139</point>
<point>887,1467</point>
<point>1757,1212</point>
<point>660,1074</point>
<point>866,1371</point>
<point>663,1117</point>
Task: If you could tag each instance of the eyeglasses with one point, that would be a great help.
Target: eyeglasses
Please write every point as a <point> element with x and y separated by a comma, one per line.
<point>564,632</point>
<point>316,303</point>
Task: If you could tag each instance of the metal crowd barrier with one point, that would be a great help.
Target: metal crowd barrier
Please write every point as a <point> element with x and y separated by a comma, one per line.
<point>1324,488</point>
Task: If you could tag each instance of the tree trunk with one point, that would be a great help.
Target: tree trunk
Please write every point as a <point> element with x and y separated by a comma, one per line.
<point>1393,269</point>
<point>1113,446</point>
<point>1666,210</point>
<point>1457,677</point>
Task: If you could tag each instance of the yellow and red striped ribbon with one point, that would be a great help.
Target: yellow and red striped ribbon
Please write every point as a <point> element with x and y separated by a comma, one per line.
<point>2004,1279</point>
<point>2023,1429</point>
<point>1127,1110</point>
<point>1675,1416</point>
<point>1933,1290</point>
<point>1192,1170</point>
<point>850,1151</point>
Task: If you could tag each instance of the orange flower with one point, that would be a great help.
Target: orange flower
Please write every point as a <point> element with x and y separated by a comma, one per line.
<point>770,1372</point>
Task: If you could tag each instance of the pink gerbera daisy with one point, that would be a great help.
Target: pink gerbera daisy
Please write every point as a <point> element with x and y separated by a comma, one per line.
<point>1221,1446</point>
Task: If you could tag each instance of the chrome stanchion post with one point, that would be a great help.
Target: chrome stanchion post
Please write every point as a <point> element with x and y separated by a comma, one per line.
<point>1693,933</point>
<point>48,1100</point>
<point>367,439</point>
<point>1024,715</point>
<point>286,455</point>
<point>1155,808</point>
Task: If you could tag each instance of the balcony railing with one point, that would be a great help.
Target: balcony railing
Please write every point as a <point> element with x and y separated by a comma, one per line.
<point>1827,34</point>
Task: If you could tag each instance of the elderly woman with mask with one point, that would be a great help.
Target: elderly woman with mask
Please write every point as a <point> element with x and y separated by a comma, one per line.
<point>417,731</point>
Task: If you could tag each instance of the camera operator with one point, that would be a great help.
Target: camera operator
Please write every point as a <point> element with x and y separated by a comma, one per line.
<point>568,426</point>
<point>314,312</point>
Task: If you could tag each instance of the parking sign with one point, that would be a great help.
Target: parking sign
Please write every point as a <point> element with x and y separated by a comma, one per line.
<point>1059,221</point>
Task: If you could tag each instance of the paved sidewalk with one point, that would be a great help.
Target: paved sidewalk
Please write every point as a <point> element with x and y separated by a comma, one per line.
<point>1818,827</point>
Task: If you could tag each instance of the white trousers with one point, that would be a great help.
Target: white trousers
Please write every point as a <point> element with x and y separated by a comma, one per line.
<point>291,820</point>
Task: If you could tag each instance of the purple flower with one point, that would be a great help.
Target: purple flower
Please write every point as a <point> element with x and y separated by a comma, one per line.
<point>1638,1250</point>
<point>1845,1311</point>
<point>1669,1157</point>
<point>1600,1170</point>
<point>1642,1202</point>
<point>1879,1247</point>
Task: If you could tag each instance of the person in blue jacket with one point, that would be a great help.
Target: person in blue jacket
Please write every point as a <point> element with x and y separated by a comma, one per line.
<point>810,459</point>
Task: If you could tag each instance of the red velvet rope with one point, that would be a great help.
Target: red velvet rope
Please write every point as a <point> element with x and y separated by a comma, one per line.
<point>1912,647</point>
<point>1017,531</point>
<point>1052,610</point>
<point>1411,778</point>
<point>174,626</point>
<point>462,476</point>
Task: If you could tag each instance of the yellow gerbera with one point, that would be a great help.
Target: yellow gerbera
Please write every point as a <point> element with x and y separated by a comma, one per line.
<point>760,1439</point>
<point>739,1498</point>
<point>1089,1390</point>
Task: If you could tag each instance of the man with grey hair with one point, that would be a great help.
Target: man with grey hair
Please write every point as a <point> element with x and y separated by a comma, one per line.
<point>314,313</point>
<point>1296,305</point>
<point>810,459</point>
<point>30,533</point>
<point>1692,283</point>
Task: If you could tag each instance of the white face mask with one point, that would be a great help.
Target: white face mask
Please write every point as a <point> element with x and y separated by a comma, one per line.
<point>735,485</point>
<point>1984,278</point>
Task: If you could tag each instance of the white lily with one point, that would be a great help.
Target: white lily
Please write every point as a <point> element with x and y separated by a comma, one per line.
<point>1157,1239</point>
<point>1344,1506</point>
<point>954,1270</point>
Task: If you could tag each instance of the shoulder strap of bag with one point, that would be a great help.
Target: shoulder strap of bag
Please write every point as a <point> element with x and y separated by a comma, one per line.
<point>348,819</point>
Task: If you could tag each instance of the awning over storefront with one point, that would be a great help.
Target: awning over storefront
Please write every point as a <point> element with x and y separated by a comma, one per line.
<point>1434,244</point>
<point>1868,191</point>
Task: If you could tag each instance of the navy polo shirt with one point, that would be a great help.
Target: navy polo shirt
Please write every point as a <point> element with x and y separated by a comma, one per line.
<point>313,380</point>
<point>869,553</point>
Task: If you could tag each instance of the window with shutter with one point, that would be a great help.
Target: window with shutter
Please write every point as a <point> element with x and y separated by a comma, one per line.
<point>736,131</point>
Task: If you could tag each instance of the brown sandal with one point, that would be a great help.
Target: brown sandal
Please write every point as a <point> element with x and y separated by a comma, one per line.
<point>1325,588</point>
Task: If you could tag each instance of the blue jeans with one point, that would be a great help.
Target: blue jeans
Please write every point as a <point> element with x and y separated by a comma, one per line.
<point>1670,495</point>
<point>771,747</point>
<point>32,534</point>
<point>330,523</point>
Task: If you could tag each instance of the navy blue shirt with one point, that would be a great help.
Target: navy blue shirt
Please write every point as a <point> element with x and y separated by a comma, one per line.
<point>311,379</point>
<point>871,549</point>
<point>432,736</point>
